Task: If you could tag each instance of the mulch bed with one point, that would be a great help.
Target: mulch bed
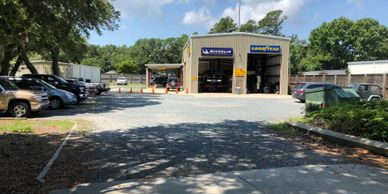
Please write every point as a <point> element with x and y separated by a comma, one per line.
<point>326,147</point>
<point>23,156</point>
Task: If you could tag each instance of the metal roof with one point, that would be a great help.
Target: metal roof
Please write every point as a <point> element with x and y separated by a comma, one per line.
<point>242,33</point>
<point>368,62</point>
<point>325,72</point>
<point>164,66</point>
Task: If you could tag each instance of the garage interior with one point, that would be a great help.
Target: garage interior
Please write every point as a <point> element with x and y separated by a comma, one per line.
<point>163,71</point>
<point>263,73</point>
<point>215,75</point>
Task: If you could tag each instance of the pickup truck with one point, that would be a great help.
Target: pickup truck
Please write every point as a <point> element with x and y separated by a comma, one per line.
<point>366,91</point>
<point>94,88</point>
<point>78,90</point>
<point>20,103</point>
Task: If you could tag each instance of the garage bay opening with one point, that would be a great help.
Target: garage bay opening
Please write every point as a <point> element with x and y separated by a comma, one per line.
<point>215,75</point>
<point>263,73</point>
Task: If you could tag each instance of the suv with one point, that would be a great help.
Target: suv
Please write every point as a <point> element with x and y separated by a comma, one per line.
<point>58,98</point>
<point>20,103</point>
<point>369,92</point>
<point>301,87</point>
<point>172,83</point>
<point>122,81</point>
<point>78,90</point>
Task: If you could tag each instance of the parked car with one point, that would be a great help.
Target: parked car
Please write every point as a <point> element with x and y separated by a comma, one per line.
<point>122,81</point>
<point>79,90</point>
<point>214,82</point>
<point>58,98</point>
<point>173,83</point>
<point>159,81</point>
<point>369,92</point>
<point>20,103</point>
<point>301,87</point>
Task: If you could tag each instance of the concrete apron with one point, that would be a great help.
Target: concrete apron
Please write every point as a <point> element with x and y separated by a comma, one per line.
<point>347,178</point>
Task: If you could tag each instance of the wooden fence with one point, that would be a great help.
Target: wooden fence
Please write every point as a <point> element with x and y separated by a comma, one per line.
<point>343,80</point>
<point>132,78</point>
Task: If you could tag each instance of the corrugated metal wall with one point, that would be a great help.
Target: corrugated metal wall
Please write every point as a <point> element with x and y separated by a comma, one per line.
<point>240,43</point>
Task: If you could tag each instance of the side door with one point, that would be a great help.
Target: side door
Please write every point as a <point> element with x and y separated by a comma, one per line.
<point>3,99</point>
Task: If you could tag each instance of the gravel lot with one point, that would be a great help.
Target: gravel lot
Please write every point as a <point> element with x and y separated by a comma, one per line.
<point>148,136</point>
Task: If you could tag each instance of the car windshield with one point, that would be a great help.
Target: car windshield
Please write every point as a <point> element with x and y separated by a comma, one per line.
<point>121,78</point>
<point>7,85</point>
<point>63,81</point>
<point>47,84</point>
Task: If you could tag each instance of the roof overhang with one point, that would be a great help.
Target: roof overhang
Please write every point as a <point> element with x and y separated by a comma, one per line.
<point>164,66</point>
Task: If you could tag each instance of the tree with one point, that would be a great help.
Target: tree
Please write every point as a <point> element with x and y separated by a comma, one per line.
<point>334,44</point>
<point>225,25</point>
<point>250,26</point>
<point>298,51</point>
<point>271,24</point>
<point>127,66</point>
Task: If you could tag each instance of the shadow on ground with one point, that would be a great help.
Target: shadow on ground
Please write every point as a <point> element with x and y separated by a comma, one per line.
<point>104,104</point>
<point>179,150</point>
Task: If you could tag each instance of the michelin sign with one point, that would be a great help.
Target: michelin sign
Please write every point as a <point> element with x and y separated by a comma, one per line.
<point>212,51</point>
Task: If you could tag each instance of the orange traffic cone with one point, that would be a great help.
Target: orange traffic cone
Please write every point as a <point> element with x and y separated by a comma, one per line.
<point>166,92</point>
<point>141,90</point>
<point>176,91</point>
<point>120,90</point>
<point>153,90</point>
<point>130,91</point>
<point>187,91</point>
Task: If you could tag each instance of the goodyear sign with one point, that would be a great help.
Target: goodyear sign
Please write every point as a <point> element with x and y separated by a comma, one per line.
<point>265,49</point>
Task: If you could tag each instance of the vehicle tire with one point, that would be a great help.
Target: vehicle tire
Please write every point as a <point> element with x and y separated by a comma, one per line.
<point>375,99</point>
<point>98,93</point>
<point>56,103</point>
<point>302,101</point>
<point>78,99</point>
<point>20,109</point>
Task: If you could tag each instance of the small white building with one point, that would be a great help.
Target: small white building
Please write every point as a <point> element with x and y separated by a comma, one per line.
<point>67,70</point>
<point>368,67</point>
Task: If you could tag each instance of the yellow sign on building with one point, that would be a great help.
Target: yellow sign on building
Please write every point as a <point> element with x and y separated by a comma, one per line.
<point>240,72</point>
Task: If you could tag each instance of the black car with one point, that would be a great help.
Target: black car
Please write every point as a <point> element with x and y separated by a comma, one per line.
<point>159,81</point>
<point>78,90</point>
<point>214,82</point>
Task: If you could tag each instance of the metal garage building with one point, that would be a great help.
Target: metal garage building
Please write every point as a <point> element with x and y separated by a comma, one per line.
<point>250,62</point>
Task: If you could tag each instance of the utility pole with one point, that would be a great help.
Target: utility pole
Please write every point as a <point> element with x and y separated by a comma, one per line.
<point>239,15</point>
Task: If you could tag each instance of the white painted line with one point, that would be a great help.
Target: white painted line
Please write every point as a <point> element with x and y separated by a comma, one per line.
<point>55,156</point>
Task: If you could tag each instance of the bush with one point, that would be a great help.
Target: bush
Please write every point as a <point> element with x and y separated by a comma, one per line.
<point>364,119</point>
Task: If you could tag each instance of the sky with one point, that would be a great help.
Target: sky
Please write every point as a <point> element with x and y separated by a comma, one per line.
<point>172,18</point>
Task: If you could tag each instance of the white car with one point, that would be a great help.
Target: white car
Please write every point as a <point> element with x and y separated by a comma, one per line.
<point>122,81</point>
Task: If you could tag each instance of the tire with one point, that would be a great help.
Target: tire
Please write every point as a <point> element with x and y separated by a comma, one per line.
<point>56,103</point>
<point>375,99</point>
<point>20,109</point>
<point>302,101</point>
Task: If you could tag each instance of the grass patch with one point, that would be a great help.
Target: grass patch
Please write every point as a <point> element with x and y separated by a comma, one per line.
<point>35,126</point>
<point>364,119</point>
<point>284,128</point>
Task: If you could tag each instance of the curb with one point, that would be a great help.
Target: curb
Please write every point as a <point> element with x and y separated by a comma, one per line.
<point>45,170</point>
<point>377,147</point>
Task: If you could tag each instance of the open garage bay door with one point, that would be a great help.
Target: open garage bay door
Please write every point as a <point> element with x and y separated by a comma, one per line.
<point>263,73</point>
<point>215,75</point>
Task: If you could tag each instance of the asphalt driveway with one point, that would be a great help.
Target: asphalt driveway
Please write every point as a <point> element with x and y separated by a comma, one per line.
<point>145,137</point>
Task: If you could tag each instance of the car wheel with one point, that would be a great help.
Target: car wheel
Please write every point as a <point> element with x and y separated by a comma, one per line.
<point>302,101</point>
<point>375,99</point>
<point>56,103</point>
<point>20,109</point>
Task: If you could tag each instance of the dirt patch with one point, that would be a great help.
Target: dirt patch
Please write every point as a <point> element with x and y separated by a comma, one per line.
<point>24,155</point>
<point>326,147</point>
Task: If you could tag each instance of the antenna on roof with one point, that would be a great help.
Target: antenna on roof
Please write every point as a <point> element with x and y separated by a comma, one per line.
<point>239,15</point>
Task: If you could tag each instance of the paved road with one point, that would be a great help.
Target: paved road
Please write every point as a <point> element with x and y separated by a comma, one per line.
<point>143,137</point>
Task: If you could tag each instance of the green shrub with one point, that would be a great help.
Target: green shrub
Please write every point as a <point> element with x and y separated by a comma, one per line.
<point>365,119</point>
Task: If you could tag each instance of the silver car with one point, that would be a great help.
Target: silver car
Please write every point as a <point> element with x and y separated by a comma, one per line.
<point>122,81</point>
<point>58,98</point>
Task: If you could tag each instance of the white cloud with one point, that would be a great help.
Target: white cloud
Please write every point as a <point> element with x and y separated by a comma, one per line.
<point>358,3</point>
<point>316,16</point>
<point>256,10</point>
<point>141,8</point>
<point>201,16</point>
